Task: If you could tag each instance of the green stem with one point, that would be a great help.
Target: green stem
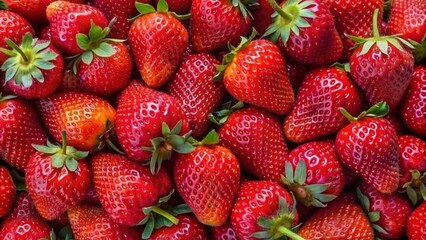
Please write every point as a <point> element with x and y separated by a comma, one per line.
<point>376,33</point>
<point>165,214</point>
<point>17,48</point>
<point>181,17</point>
<point>287,232</point>
<point>64,142</point>
<point>287,16</point>
<point>111,145</point>
<point>347,115</point>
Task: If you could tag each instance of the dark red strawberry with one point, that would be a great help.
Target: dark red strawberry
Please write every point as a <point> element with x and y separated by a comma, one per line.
<point>26,228</point>
<point>188,228</point>
<point>261,13</point>
<point>32,10</point>
<point>316,111</point>
<point>7,191</point>
<point>23,207</point>
<point>70,82</point>
<point>297,73</point>
<point>416,228</point>
<point>369,146</point>
<point>223,232</point>
<point>178,6</point>
<point>45,33</point>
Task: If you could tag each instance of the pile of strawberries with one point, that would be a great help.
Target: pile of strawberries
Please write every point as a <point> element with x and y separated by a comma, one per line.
<point>212,119</point>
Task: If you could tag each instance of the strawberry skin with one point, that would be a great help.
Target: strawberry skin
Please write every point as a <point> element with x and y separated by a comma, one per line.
<point>223,232</point>
<point>315,113</point>
<point>178,6</point>
<point>7,191</point>
<point>26,228</point>
<point>189,228</point>
<point>23,207</point>
<point>412,156</point>
<point>416,228</point>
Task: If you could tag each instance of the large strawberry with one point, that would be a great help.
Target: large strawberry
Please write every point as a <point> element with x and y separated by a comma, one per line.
<point>87,119</point>
<point>369,146</point>
<point>316,111</point>
<point>158,41</point>
<point>208,179</point>
<point>7,191</point>
<point>26,228</point>
<point>306,31</point>
<point>382,61</point>
<point>19,128</point>
<point>255,72</point>
<point>416,228</point>
<point>188,228</point>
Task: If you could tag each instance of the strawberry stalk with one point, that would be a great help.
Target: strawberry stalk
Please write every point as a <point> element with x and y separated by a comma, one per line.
<point>287,232</point>
<point>284,14</point>
<point>3,5</point>
<point>378,110</point>
<point>220,117</point>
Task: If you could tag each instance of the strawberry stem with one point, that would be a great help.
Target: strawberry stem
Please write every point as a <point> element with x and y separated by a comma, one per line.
<point>111,145</point>
<point>287,16</point>
<point>18,49</point>
<point>376,33</point>
<point>64,143</point>
<point>165,214</point>
<point>287,232</point>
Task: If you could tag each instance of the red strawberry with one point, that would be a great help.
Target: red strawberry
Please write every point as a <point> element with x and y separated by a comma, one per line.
<point>214,23</point>
<point>297,73</point>
<point>198,95</point>
<point>208,179</point>
<point>90,222</point>
<point>261,13</point>
<point>369,146</point>
<point>23,207</point>
<point>26,228</point>
<point>178,6</point>
<point>55,179</point>
<point>413,107</point>
<point>34,68</point>
<point>315,113</point>
<point>342,219</point>
<point>70,82</point>
<point>45,33</point>
<point>306,31</point>
<point>189,228</point>
<point>313,173</point>
<point>67,20</point>
<point>85,118</point>
<point>265,210</point>
<point>158,41</point>
<point>33,10</point>
<point>382,61</point>
<point>19,128</point>
<point>416,228</point>
<point>255,72</point>
<point>256,139</point>
<point>7,191</point>
<point>223,232</point>
<point>388,213</point>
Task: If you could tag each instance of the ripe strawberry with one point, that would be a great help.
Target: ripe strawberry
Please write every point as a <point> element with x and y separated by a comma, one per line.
<point>7,191</point>
<point>45,33</point>
<point>265,210</point>
<point>223,232</point>
<point>214,23</point>
<point>315,113</point>
<point>382,61</point>
<point>198,95</point>
<point>32,10</point>
<point>70,82</point>
<point>19,128</point>
<point>341,219</point>
<point>388,213</point>
<point>85,118</point>
<point>369,146</point>
<point>158,41</point>
<point>208,179</point>
<point>23,207</point>
<point>416,228</point>
<point>69,19</point>
<point>413,106</point>
<point>313,173</point>
<point>261,13</point>
<point>34,68</point>
<point>412,163</point>
<point>255,72</point>
<point>256,139</point>
<point>90,222</point>
<point>178,6</point>
<point>306,31</point>
<point>297,73</point>
<point>26,228</point>
<point>189,228</point>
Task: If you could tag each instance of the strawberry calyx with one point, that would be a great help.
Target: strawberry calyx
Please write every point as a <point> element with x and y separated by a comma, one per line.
<point>3,5</point>
<point>212,138</point>
<point>162,7</point>
<point>62,155</point>
<point>289,18</point>
<point>7,97</point>
<point>309,195</point>
<point>415,188</point>
<point>220,117</point>
<point>162,147</point>
<point>27,61</point>
<point>280,225</point>
<point>343,66</point>
<point>378,110</point>
<point>373,216</point>
<point>242,6</point>
<point>419,50</point>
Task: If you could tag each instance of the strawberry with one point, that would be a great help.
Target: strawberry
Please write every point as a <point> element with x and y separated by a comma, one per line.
<point>306,31</point>
<point>214,23</point>
<point>261,13</point>
<point>19,128</point>
<point>34,68</point>
<point>369,146</point>
<point>33,10</point>
<point>26,228</point>
<point>7,191</point>
<point>70,82</point>
<point>45,33</point>
<point>223,232</point>
<point>412,163</point>
<point>388,213</point>
<point>208,179</point>
<point>158,41</point>
<point>69,19</point>
<point>413,106</point>
<point>55,179</point>
<point>264,210</point>
<point>197,94</point>
<point>313,173</point>
<point>189,228</point>
<point>178,6</point>
<point>341,219</point>
<point>416,229</point>
<point>255,72</point>
<point>256,139</point>
<point>297,73</point>
<point>382,61</point>
<point>90,222</point>
<point>315,113</point>
<point>85,118</point>
<point>143,119</point>
<point>23,207</point>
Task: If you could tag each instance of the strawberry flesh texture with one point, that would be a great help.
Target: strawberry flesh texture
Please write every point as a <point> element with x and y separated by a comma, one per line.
<point>416,225</point>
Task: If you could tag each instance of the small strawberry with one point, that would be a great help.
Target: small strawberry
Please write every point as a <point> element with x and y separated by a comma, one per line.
<point>255,72</point>
<point>7,191</point>
<point>23,207</point>
<point>223,232</point>
<point>416,228</point>
<point>85,118</point>
<point>188,228</point>
<point>178,6</point>
<point>158,41</point>
<point>369,146</point>
<point>315,113</point>
<point>26,228</point>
